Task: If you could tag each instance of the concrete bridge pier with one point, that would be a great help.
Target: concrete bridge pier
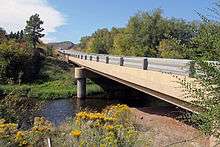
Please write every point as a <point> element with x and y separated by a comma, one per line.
<point>66,58</point>
<point>80,77</point>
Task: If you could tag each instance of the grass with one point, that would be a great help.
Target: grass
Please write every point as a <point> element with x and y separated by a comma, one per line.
<point>56,82</point>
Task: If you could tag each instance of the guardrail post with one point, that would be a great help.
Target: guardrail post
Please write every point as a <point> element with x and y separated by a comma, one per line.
<point>145,64</point>
<point>107,60</point>
<point>121,61</point>
<point>90,58</point>
<point>97,59</point>
<point>81,56</point>
<point>85,57</point>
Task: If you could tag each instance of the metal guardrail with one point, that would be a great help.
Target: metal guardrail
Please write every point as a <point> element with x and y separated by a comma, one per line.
<point>172,66</point>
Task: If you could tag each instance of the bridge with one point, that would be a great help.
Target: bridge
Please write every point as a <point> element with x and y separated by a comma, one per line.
<point>157,77</point>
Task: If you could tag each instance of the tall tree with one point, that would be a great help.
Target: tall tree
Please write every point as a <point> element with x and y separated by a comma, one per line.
<point>33,30</point>
<point>2,35</point>
<point>21,36</point>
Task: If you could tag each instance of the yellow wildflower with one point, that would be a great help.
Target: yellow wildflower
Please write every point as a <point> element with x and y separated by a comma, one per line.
<point>24,142</point>
<point>103,145</point>
<point>75,133</point>
<point>19,135</point>
<point>109,127</point>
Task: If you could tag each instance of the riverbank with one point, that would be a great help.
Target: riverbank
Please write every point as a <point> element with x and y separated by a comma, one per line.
<point>113,125</point>
<point>56,81</point>
<point>165,130</point>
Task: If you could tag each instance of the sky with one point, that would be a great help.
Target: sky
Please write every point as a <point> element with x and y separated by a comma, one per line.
<point>69,20</point>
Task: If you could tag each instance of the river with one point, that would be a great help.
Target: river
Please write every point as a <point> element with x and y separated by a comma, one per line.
<point>57,111</point>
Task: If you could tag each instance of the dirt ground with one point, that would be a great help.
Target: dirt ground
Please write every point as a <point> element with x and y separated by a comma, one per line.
<point>166,131</point>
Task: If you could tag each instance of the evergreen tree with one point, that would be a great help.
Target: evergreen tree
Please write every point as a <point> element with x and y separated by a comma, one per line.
<point>2,35</point>
<point>17,35</point>
<point>11,35</point>
<point>33,30</point>
<point>21,36</point>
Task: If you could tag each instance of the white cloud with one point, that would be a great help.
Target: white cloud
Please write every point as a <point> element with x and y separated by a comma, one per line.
<point>14,13</point>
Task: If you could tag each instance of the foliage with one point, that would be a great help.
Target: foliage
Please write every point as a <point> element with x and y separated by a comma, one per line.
<point>142,36</point>
<point>18,62</point>
<point>33,30</point>
<point>11,136</point>
<point>172,48</point>
<point>2,35</point>
<point>205,90</point>
<point>49,50</point>
<point>16,107</point>
<point>18,36</point>
<point>55,82</point>
<point>107,128</point>
<point>207,43</point>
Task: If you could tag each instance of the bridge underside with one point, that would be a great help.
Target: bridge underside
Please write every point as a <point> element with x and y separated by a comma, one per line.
<point>141,82</point>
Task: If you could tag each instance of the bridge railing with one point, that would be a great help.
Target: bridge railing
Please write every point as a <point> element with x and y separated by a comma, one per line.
<point>172,66</point>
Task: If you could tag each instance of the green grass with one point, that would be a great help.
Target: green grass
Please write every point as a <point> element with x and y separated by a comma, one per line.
<point>93,89</point>
<point>56,82</point>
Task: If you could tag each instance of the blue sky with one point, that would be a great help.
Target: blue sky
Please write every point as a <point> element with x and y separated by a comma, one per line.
<point>72,19</point>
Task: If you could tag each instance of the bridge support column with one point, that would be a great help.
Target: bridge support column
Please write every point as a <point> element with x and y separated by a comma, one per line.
<point>66,58</point>
<point>81,82</point>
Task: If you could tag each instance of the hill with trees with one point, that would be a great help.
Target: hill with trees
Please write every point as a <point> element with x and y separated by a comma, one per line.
<point>65,45</point>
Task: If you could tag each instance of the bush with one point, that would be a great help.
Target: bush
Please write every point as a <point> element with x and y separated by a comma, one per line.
<point>104,129</point>
<point>18,108</point>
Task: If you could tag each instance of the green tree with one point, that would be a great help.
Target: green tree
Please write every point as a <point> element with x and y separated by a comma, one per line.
<point>172,48</point>
<point>2,35</point>
<point>33,30</point>
<point>14,58</point>
<point>142,35</point>
<point>21,36</point>
<point>206,44</point>
<point>83,42</point>
<point>102,41</point>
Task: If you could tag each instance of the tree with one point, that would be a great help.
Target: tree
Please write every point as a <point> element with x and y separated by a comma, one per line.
<point>21,36</point>
<point>83,42</point>
<point>14,58</point>
<point>102,41</point>
<point>206,44</point>
<point>172,48</point>
<point>142,35</point>
<point>2,35</point>
<point>33,30</point>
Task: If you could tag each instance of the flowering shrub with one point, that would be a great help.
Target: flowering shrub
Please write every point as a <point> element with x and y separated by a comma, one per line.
<point>10,135</point>
<point>112,127</point>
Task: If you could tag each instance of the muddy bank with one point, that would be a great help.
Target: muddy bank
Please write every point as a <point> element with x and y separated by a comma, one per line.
<point>166,131</point>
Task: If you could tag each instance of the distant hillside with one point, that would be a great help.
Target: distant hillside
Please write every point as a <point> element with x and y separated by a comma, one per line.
<point>64,45</point>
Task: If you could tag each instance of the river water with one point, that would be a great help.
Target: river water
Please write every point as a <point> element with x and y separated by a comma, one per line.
<point>57,111</point>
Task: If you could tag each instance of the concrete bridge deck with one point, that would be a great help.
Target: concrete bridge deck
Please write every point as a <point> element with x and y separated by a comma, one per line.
<point>164,86</point>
